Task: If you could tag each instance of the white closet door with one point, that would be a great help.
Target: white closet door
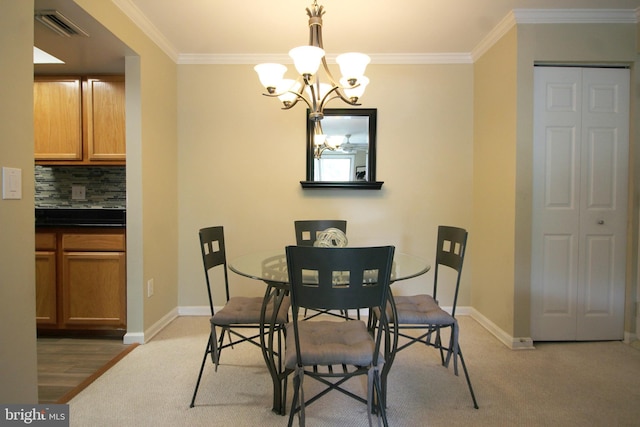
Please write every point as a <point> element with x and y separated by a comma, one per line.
<point>580,155</point>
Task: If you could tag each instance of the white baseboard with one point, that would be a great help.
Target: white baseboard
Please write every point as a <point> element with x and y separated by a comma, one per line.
<point>195,310</point>
<point>133,338</point>
<point>143,337</point>
<point>514,343</point>
<point>630,337</point>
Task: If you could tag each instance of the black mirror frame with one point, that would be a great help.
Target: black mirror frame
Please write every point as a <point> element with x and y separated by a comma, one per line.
<point>371,183</point>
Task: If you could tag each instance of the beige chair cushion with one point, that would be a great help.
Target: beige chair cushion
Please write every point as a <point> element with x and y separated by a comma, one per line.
<point>246,310</point>
<point>420,310</point>
<point>328,343</point>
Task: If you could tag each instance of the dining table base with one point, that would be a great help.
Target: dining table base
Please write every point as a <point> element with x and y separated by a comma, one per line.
<point>270,338</point>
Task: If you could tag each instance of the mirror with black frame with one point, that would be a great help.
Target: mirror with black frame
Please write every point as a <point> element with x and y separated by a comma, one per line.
<point>341,149</point>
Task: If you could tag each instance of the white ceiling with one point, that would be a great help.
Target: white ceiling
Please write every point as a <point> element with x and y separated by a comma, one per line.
<point>216,30</point>
<point>372,26</point>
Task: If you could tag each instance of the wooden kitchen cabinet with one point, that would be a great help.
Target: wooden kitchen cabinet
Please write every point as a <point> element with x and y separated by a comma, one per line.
<point>104,115</point>
<point>46,276</point>
<point>81,280</point>
<point>57,115</point>
<point>93,280</point>
<point>79,120</point>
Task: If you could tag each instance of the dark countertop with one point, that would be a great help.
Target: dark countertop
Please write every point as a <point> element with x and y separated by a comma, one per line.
<point>83,217</point>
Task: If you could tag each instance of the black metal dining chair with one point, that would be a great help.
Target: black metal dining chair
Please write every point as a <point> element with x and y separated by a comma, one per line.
<point>307,232</point>
<point>423,311</point>
<point>238,313</point>
<point>334,351</point>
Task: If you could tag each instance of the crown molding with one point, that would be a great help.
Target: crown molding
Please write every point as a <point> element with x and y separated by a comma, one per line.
<point>142,22</point>
<point>494,35</point>
<point>554,16</point>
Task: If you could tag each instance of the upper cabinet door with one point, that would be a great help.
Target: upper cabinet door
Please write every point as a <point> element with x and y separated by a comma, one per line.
<point>104,100</point>
<point>57,115</point>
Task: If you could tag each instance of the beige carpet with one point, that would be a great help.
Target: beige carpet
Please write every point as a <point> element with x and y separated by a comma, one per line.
<point>558,384</point>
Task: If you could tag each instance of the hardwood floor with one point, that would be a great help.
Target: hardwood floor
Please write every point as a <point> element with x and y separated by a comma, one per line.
<point>68,365</point>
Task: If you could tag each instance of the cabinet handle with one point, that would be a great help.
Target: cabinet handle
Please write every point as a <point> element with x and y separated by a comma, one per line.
<point>600,222</point>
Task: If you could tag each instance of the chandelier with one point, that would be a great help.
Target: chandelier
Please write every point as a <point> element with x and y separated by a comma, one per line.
<point>309,87</point>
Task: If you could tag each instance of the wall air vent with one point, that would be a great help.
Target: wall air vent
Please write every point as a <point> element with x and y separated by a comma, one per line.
<point>59,23</point>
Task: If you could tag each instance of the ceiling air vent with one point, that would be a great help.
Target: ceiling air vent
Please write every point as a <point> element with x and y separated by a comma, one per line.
<point>59,23</point>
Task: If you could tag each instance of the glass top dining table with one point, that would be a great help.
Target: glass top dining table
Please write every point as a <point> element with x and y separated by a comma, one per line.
<point>270,266</point>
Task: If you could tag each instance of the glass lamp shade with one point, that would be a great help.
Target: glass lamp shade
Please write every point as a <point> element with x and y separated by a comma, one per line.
<point>270,75</point>
<point>306,59</point>
<point>353,64</point>
<point>355,92</point>
<point>319,139</point>
<point>285,87</point>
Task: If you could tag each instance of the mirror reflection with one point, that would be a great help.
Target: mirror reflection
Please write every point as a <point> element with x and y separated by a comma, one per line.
<point>341,147</point>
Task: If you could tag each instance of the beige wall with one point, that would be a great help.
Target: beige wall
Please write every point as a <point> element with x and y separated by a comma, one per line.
<point>581,44</point>
<point>241,160</point>
<point>494,174</point>
<point>503,137</point>
<point>431,118</point>
<point>152,183</point>
<point>151,187</point>
<point>18,371</point>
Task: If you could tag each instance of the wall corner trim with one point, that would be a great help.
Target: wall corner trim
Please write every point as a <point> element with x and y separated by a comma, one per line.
<point>514,343</point>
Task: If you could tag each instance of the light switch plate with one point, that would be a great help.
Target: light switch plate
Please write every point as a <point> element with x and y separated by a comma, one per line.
<point>11,183</point>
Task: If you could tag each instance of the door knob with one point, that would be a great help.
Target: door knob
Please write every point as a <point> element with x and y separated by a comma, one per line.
<point>600,222</point>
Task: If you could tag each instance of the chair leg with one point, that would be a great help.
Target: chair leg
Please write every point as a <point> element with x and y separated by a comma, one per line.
<point>204,360</point>
<point>221,339</point>
<point>438,344</point>
<point>294,401</point>
<point>466,374</point>
<point>380,403</point>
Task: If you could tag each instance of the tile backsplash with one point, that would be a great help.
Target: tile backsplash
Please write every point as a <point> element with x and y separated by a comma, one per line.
<point>105,186</point>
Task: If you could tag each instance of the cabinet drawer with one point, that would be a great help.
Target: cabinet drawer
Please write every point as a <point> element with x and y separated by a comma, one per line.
<point>93,242</point>
<point>46,241</point>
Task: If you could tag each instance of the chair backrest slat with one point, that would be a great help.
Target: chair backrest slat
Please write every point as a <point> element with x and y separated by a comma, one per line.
<point>450,250</point>
<point>307,230</point>
<point>339,278</point>
<point>213,254</point>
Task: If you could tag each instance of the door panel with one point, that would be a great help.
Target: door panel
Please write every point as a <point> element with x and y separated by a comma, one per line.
<point>557,135</point>
<point>558,276</point>
<point>603,212</point>
<point>579,203</point>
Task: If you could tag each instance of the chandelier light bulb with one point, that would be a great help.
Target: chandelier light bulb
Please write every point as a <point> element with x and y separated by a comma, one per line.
<point>287,90</point>
<point>354,93</point>
<point>319,139</point>
<point>352,65</point>
<point>270,75</point>
<point>307,59</point>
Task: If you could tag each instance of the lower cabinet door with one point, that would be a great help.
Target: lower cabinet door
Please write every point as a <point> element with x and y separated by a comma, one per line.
<point>46,300</point>
<point>93,289</point>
